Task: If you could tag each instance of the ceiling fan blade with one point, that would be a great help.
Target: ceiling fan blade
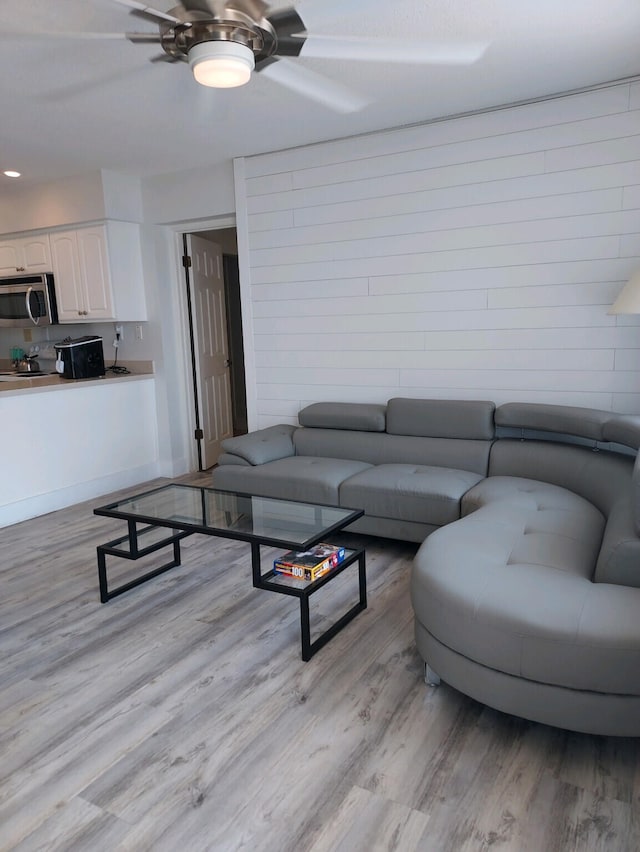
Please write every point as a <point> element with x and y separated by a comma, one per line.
<point>85,86</point>
<point>383,50</point>
<point>306,82</point>
<point>25,34</point>
<point>147,10</point>
<point>208,7</point>
<point>136,38</point>
<point>144,38</point>
<point>165,57</point>
<point>290,31</point>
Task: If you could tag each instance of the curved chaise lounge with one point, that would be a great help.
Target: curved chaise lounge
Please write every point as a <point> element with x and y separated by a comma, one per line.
<point>530,603</point>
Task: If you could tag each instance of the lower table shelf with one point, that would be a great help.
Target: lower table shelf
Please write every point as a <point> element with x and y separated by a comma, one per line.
<point>284,585</point>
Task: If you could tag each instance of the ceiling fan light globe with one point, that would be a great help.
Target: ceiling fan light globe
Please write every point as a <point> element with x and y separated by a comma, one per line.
<point>221,64</point>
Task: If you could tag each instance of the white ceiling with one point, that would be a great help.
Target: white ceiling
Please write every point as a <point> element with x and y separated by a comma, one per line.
<point>70,106</point>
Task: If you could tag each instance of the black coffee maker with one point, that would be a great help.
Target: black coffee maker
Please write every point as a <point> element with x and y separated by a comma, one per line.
<point>82,358</point>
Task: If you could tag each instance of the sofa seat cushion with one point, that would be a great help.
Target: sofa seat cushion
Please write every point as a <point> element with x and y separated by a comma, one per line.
<point>408,492</point>
<point>304,478</point>
<point>554,527</point>
<point>543,524</point>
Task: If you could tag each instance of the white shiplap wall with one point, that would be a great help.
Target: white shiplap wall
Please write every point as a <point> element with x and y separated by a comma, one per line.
<point>472,258</point>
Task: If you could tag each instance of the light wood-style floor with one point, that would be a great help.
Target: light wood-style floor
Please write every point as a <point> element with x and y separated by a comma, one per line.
<point>180,717</point>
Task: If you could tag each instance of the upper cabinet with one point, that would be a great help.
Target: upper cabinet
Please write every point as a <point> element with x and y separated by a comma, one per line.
<point>98,273</point>
<point>25,255</point>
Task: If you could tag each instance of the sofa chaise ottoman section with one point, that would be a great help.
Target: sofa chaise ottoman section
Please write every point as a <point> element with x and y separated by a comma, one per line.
<point>516,603</point>
<point>304,478</point>
<point>408,492</point>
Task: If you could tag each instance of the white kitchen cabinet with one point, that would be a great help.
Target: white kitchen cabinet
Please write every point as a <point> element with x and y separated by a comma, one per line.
<point>25,255</point>
<point>81,275</point>
<point>98,273</point>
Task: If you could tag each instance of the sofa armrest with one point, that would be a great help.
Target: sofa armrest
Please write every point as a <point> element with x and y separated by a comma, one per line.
<point>265,445</point>
<point>619,558</point>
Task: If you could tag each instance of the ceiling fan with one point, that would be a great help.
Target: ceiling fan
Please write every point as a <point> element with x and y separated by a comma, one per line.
<point>225,41</point>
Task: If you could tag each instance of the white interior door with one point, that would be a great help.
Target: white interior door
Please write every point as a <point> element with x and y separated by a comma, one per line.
<point>212,359</point>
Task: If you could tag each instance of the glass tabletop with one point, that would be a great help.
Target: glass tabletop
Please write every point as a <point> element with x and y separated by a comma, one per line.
<point>243,516</point>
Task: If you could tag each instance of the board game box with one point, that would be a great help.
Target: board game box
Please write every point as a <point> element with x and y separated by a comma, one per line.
<point>309,564</point>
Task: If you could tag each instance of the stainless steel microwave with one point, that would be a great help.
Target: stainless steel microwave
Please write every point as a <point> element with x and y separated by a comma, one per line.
<point>27,300</point>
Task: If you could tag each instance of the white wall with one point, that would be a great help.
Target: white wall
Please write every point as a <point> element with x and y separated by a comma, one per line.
<point>166,321</point>
<point>96,439</point>
<point>470,258</point>
<point>188,195</point>
<point>85,198</point>
<point>112,436</point>
<point>174,203</point>
<point>122,197</point>
<point>50,205</point>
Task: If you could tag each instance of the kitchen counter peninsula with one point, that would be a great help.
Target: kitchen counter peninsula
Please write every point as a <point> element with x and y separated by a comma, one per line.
<point>72,440</point>
<point>19,384</point>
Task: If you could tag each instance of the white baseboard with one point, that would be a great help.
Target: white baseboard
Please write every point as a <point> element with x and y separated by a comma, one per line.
<point>40,504</point>
<point>173,469</point>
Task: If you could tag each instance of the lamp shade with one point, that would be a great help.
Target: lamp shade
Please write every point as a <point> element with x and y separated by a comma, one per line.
<point>628,302</point>
<point>221,64</point>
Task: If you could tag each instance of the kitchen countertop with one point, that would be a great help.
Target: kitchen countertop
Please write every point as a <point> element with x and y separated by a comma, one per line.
<point>138,370</point>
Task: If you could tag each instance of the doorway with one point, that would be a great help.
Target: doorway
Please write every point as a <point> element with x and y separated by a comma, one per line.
<point>215,340</point>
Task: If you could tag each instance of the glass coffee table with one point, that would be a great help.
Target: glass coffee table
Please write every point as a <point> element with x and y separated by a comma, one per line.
<point>164,516</point>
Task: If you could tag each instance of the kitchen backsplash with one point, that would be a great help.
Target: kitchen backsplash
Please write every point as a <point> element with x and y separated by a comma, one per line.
<point>39,341</point>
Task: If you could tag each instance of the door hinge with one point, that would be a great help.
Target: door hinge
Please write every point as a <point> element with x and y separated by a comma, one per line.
<point>199,435</point>
<point>186,261</point>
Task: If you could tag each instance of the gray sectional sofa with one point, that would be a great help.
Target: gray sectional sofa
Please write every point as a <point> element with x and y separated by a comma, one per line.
<point>526,586</point>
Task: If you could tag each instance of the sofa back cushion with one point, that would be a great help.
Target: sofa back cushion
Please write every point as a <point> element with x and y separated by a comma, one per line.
<point>441,418</point>
<point>364,417</point>
<point>381,448</point>
<point>598,476</point>
<point>566,419</point>
<point>635,495</point>
<point>623,429</point>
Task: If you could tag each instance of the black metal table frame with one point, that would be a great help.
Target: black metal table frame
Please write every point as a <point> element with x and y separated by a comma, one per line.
<point>134,551</point>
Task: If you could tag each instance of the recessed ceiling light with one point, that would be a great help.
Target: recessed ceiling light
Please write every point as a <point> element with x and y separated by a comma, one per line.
<point>11,173</point>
